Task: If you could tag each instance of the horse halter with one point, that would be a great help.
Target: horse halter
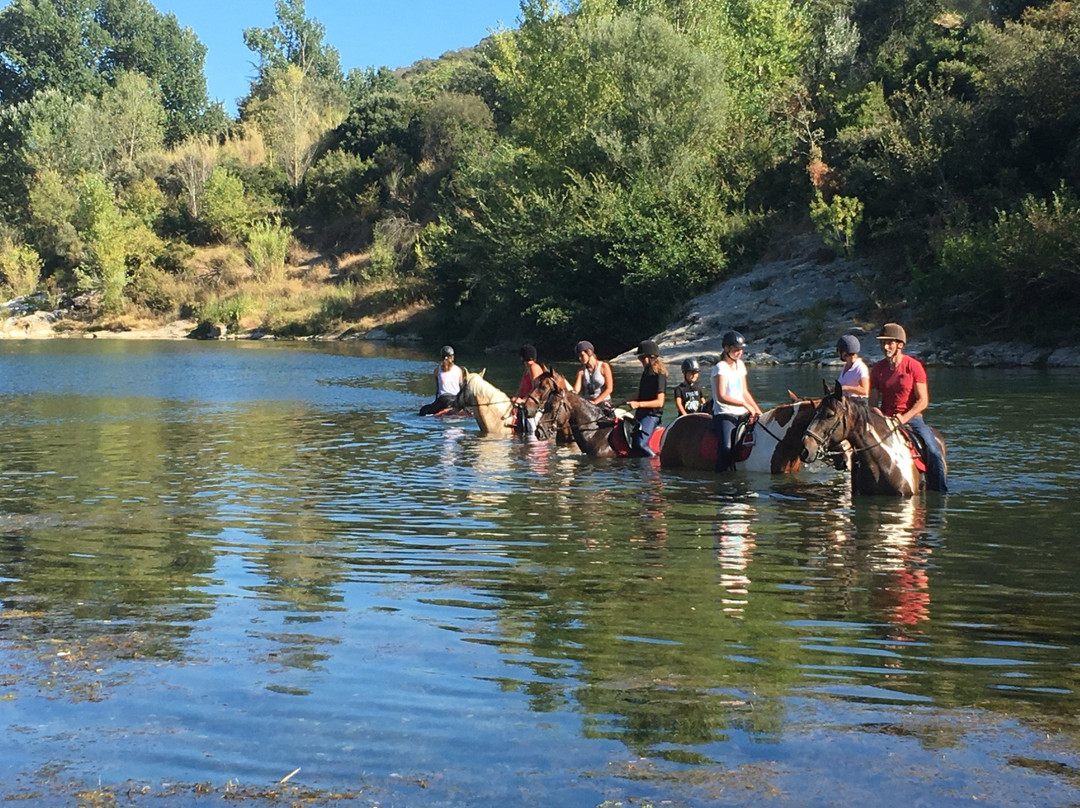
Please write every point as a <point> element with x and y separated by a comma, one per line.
<point>825,440</point>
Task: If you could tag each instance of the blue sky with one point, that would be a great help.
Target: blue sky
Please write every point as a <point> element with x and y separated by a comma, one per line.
<point>368,33</point>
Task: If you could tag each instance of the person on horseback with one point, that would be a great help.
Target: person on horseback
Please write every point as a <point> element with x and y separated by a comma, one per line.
<point>855,376</point>
<point>689,397</point>
<point>594,381</point>
<point>651,395</point>
<point>899,388</point>
<point>732,401</point>
<point>525,425</point>
<point>448,381</point>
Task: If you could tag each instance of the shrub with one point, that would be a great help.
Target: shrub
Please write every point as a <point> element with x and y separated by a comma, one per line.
<point>20,267</point>
<point>268,246</point>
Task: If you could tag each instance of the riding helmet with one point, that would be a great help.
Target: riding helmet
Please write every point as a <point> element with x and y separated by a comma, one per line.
<point>733,339</point>
<point>690,366</point>
<point>893,331</point>
<point>848,343</point>
<point>648,348</point>
<point>447,350</point>
<point>583,347</point>
<point>527,352</point>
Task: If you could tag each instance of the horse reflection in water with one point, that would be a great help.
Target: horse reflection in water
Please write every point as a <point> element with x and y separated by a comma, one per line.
<point>890,541</point>
<point>882,460</point>
<point>735,544</point>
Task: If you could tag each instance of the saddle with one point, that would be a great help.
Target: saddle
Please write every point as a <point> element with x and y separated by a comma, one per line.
<point>622,434</point>
<point>743,442</point>
<point>915,445</point>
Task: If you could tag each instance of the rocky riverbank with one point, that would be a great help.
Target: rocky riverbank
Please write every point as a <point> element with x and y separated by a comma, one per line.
<point>792,310</point>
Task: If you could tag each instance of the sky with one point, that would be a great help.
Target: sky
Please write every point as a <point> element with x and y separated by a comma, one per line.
<point>367,33</point>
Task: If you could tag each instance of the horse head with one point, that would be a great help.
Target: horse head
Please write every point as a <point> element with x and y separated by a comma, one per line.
<point>466,396</point>
<point>548,397</point>
<point>829,425</point>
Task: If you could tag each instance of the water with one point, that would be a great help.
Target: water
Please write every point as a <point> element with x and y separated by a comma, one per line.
<point>220,563</point>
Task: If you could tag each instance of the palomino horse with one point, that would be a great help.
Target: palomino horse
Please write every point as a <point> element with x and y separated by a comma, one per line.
<point>594,429</point>
<point>492,408</point>
<point>882,458</point>
<point>774,448</point>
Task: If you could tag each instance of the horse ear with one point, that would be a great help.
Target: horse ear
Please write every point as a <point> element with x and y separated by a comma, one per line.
<point>838,391</point>
<point>792,396</point>
<point>481,373</point>
<point>825,384</point>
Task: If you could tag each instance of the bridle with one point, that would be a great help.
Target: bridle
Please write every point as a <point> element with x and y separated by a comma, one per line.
<point>824,441</point>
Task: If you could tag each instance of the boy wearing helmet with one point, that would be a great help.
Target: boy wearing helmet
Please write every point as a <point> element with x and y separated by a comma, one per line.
<point>448,381</point>
<point>688,396</point>
<point>732,401</point>
<point>652,390</point>
<point>898,386</point>
<point>854,379</point>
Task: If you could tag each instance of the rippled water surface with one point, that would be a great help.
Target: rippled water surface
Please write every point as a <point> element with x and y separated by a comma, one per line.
<point>221,563</point>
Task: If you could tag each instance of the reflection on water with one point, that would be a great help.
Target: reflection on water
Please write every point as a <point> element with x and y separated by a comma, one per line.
<point>232,561</point>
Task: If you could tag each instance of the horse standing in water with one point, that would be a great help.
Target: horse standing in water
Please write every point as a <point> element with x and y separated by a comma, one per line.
<point>492,408</point>
<point>883,457</point>
<point>774,446</point>
<point>596,431</point>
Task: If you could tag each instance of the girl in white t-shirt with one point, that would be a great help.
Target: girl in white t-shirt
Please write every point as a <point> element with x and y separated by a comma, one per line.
<point>854,379</point>
<point>732,400</point>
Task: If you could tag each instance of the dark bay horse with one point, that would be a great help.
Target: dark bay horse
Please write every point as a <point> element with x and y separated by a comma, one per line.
<point>596,431</point>
<point>690,441</point>
<point>882,457</point>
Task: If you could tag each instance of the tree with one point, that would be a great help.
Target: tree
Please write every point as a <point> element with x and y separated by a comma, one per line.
<point>294,40</point>
<point>50,44</point>
<point>80,47</point>
<point>293,116</point>
<point>145,41</point>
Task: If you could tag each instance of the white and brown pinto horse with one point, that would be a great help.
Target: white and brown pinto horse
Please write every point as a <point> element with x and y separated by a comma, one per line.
<point>883,459</point>
<point>775,445</point>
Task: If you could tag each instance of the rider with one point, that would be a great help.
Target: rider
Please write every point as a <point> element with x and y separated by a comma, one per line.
<point>527,354</point>
<point>448,381</point>
<point>594,381</point>
<point>732,401</point>
<point>898,385</point>
<point>855,377</point>
<point>649,404</point>
<point>689,397</point>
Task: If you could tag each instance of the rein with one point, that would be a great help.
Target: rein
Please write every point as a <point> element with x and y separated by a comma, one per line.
<point>824,441</point>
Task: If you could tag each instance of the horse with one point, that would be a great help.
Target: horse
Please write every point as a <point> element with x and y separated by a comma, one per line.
<point>596,431</point>
<point>884,459</point>
<point>773,444</point>
<point>494,412</point>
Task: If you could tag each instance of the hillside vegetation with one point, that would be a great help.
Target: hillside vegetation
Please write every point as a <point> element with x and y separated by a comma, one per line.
<point>585,173</point>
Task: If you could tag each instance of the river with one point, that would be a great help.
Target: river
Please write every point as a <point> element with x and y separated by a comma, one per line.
<point>221,563</point>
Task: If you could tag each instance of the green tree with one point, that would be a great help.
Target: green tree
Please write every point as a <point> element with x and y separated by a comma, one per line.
<point>81,46</point>
<point>293,40</point>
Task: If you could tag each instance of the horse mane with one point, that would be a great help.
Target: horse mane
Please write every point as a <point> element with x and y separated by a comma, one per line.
<point>477,385</point>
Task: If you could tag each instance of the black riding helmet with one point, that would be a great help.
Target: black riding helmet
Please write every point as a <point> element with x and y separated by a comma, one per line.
<point>648,348</point>
<point>690,366</point>
<point>733,339</point>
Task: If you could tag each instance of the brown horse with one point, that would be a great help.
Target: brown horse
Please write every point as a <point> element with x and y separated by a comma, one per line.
<point>883,460</point>
<point>596,431</point>
<point>774,445</point>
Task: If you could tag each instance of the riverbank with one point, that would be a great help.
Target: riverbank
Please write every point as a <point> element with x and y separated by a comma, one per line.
<point>791,307</point>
